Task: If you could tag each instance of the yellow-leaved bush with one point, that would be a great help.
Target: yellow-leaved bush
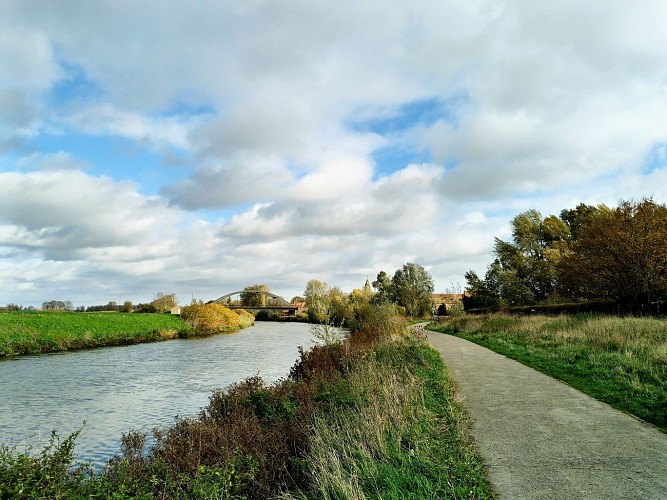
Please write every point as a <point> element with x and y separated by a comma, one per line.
<point>214,318</point>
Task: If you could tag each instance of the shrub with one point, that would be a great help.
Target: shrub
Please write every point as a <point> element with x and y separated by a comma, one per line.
<point>211,318</point>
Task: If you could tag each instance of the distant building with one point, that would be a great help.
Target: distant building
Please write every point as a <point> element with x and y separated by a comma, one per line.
<point>449,300</point>
<point>367,292</point>
<point>301,307</point>
<point>176,310</point>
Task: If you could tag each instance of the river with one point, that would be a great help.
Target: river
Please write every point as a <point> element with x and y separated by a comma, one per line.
<point>138,387</point>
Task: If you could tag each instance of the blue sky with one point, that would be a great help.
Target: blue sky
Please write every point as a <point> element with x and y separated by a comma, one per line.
<point>197,149</point>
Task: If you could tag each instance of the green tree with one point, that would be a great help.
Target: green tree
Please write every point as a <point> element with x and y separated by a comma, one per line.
<point>163,303</point>
<point>384,292</point>
<point>317,301</point>
<point>526,267</point>
<point>253,295</point>
<point>412,287</point>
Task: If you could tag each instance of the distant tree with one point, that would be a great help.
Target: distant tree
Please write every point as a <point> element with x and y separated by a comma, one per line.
<point>58,305</point>
<point>412,287</point>
<point>14,307</point>
<point>620,254</point>
<point>250,297</point>
<point>127,306</point>
<point>317,300</point>
<point>482,293</point>
<point>384,291</point>
<point>163,303</point>
<point>296,299</point>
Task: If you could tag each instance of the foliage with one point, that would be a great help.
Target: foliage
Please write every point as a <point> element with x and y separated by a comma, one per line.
<point>412,288</point>
<point>214,318</point>
<point>367,415</point>
<point>250,296</point>
<point>317,300</point>
<point>588,253</point>
<point>44,474</point>
<point>32,332</point>
<point>163,303</point>
<point>621,255</point>
<point>57,305</point>
<point>621,361</point>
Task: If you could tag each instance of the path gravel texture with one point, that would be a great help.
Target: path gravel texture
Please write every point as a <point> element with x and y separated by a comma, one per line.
<point>542,439</point>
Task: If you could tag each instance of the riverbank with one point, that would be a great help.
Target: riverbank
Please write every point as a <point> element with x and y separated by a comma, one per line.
<point>34,332</point>
<point>620,361</point>
<point>372,416</point>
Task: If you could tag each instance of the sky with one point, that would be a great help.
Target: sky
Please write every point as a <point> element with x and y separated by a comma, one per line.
<point>200,147</point>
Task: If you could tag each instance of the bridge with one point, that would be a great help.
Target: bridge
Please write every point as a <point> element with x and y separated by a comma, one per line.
<point>257,300</point>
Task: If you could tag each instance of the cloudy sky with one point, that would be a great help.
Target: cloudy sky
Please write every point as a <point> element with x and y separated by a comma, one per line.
<point>199,147</point>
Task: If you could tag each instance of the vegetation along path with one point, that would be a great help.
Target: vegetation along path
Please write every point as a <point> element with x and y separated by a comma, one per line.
<point>543,439</point>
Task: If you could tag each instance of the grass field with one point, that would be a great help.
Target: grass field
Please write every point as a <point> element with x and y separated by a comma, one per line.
<point>621,361</point>
<point>31,332</point>
<point>371,416</point>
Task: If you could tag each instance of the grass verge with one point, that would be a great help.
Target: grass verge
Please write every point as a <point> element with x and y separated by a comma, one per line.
<point>373,416</point>
<point>31,332</point>
<point>621,361</point>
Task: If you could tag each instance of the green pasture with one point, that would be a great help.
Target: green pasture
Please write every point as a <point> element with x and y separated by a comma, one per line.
<point>32,332</point>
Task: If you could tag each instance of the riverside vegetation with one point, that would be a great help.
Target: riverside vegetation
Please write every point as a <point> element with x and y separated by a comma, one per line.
<point>370,416</point>
<point>619,360</point>
<point>32,332</point>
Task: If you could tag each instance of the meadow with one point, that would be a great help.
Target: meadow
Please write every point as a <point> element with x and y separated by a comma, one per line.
<point>33,332</point>
<point>619,360</point>
<point>374,415</point>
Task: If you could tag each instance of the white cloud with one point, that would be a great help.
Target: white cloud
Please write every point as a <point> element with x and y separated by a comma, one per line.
<point>563,102</point>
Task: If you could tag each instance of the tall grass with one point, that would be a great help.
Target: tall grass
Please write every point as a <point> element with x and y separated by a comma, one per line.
<point>374,416</point>
<point>619,360</point>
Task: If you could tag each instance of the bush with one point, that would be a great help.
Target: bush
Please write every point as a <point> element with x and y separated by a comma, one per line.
<point>211,318</point>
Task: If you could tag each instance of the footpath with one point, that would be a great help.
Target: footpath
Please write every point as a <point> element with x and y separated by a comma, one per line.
<point>542,439</point>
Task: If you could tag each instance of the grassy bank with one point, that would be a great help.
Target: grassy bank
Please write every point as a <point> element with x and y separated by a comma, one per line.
<point>371,417</point>
<point>621,361</point>
<point>29,332</point>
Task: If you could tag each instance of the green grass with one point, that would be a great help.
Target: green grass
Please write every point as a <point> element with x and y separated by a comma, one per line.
<point>30,332</point>
<point>374,416</point>
<point>403,434</point>
<point>621,361</point>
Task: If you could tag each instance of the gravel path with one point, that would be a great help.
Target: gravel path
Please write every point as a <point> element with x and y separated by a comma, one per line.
<point>542,439</point>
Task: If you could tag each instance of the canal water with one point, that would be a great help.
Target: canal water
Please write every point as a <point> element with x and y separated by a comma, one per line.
<point>137,387</point>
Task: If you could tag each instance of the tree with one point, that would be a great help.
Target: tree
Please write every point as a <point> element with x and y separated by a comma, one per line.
<point>481,293</point>
<point>526,267</point>
<point>163,303</point>
<point>250,296</point>
<point>412,287</point>
<point>384,291</point>
<point>317,301</point>
<point>620,254</point>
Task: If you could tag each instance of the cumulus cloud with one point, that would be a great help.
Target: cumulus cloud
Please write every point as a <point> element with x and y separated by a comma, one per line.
<point>299,124</point>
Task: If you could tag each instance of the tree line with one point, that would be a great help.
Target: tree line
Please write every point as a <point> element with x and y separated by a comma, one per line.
<point>587,253</point>
<point>409,291</point>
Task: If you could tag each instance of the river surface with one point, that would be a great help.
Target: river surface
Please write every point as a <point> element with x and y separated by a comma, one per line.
<point>138,387</point>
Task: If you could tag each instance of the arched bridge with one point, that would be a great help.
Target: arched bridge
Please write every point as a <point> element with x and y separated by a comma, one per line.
<point>256,300</point>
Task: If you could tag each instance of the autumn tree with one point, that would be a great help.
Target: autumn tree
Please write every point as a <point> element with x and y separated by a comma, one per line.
<point>621,254</point>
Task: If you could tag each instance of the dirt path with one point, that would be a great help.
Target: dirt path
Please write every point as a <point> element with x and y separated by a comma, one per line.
<point>542,439</point>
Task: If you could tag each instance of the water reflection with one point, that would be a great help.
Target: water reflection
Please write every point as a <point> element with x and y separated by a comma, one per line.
<point>134,387</point>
